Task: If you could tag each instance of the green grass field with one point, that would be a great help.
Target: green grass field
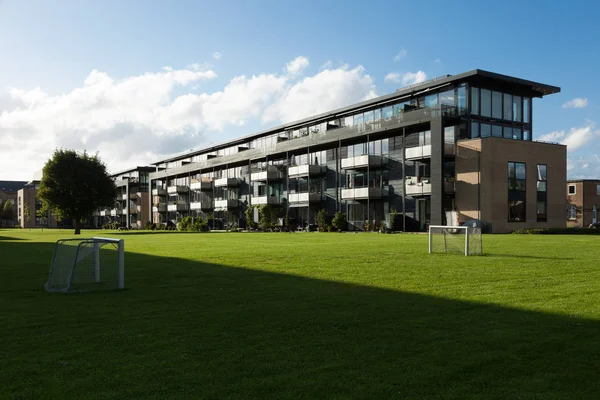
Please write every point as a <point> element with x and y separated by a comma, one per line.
<point>305,316</point>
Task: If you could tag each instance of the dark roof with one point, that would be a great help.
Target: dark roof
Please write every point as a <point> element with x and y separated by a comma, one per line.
<point>582,180</point>
<point>146,168</point>
<point>477,76</point>
<point>12,186</point>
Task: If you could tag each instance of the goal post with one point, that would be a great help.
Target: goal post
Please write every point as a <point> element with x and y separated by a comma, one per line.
<point>87,264</point>
<point>456,239</point>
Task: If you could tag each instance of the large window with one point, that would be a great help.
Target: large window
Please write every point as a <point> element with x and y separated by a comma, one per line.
<point>542,193</point>
<point>598,189</point>
<point>486,103</point>
<point>516,192</point>
<point>431,101</point>
<point>526,109</point>
<point>475,101</point>
<point>517,108</point>
<point>507,107</point>
<point>497,105</point>
<point>571,190</point>
<point>461,99</point>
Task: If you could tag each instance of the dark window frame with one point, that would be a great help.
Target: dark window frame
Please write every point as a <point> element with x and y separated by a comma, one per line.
<point>517,192</point>
<point>542,195</point>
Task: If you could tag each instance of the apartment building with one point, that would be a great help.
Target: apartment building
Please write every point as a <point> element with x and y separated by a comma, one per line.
<point>130,208</point>
<point>28,209</point>
<point>583,202</point>
<point>8,193</point>
<point>459,143</point>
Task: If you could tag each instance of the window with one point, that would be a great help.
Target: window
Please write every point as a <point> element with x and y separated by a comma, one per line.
<point>571,190</point>
<point>542,196</point>
<point>461,99</point>
<point>598,189</point>
<point>517,108</point>
<point>507,107</point>
<point>431,101</point>
<point>358,119</point>
<point>496,131</point>
<point>516,192</point>
<point>486,130</point>
<point>517,134</point>
<point>474,130</point>
<point>571,212</point>
<point>507,132</point>
<point>497,105</point>
<point>526,101</point>
<point>526,135</point>
<point>388,112</point>
<point>486,103</point>
<point>447,98</point>
<point>475,101</point>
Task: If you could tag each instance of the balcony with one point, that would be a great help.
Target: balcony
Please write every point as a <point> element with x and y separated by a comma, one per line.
<point>361,193</point>
<point>227,182</point>
<point>132,195</point>
<point>449,149</point>
<point>177,189</point>
<point>138,209</point>
<point>449,187</point>
<point>177,207</point>
<point>306,170</point>
<point>198,186</point>
<point>271,173</point>
<point>130,210</point>
<point>159,192</point>
<point>201,205</point>
<point>361,162</point>
<point>417,186</point>
<point>413,153</point>
<point>259,200</point>
<point>305,197</point>
<point>114,212</point>
<point>159,208</point>
<point>104,213</point>
<point>224,205</point>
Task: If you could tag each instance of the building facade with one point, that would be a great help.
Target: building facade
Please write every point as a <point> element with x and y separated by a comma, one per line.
<point>8,193</point>
<point>130,209</point>
<point>456,143</point>
<point>583,202</point>
<point>29,209</point>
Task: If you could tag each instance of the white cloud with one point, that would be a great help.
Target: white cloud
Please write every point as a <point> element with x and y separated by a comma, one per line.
<point>217,55</point>
<point>587,167</point>
<point>140,119</point>
<point>402,54</point>
<point>437,61</point>
<point>576,137</point>
<point>297,66</point>
<point>327,90</point>
<point>577,102</point>
<point>408,78</point>
<point>326,65</point>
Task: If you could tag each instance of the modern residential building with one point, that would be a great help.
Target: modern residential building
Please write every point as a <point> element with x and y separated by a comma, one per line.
<point>455,143</point>
<point>583,202</point>
<point>130,208</point>
<point>29,207</point>
<point>8,193</point>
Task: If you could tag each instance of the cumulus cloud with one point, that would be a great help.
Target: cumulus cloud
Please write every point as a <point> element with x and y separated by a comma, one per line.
<point>402,54</point>
<point>407,78</point>
<point>329,89</point>
<point>217,55</point>
<point>576,137</point>
<point>326,65</point>
<point>578,102</point>
<point>584,167</point>
<point>140,119</point>
<point>297,66</point>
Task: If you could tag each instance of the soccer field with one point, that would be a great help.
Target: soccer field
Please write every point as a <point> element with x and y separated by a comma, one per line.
<point>306,315</point>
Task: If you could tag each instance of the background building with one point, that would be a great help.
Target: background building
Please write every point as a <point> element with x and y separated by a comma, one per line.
<point>455,143</point>
<point>29,206</point>
<point>583,202</point>
<point>130,208</point>
<point>8,193</point>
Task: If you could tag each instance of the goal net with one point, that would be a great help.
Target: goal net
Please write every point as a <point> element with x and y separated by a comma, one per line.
<point>80,265</point>
<point>455,239</point>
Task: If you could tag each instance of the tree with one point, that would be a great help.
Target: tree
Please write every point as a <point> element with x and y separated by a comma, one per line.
<point>266,217</point>
<point>26,213</point>
<point>322,220</point>
<point>74,185</point>
<point>8,212</point>
<point>339,221</point>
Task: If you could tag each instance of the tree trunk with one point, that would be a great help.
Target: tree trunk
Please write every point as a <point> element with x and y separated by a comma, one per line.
<point>77,226</point>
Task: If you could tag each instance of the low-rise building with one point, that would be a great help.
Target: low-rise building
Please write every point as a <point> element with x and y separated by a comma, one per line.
<point>583,202</point>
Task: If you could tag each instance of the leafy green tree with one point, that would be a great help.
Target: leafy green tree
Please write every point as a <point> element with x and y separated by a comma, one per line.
<point>249,213</point>
<point>322,220</point>
<point>26,213</point>
<point>339,221</point>
<point>74,185</point>
<point>266,216</point>
<point>8,212</point>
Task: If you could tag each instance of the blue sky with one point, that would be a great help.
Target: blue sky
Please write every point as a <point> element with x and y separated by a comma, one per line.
<point>137,81</point>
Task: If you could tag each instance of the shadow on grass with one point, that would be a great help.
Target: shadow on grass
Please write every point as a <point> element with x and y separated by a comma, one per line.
<point>9,238</point>
<point>197,330</point>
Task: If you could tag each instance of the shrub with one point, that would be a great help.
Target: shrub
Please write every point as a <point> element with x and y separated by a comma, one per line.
<point>556,231</point>
<point>111,225</point>
<point>200,225</point>
<point>339,221</point>
<point>266,217</point>
<point>322,220</point>
<point>149,226</point>
<point>185,224</point>
<point>330,228</point>
<point>249,213</point>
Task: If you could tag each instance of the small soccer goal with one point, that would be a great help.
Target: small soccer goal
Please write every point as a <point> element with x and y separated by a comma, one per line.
<point>455,239</point>
<point>81,265</point>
